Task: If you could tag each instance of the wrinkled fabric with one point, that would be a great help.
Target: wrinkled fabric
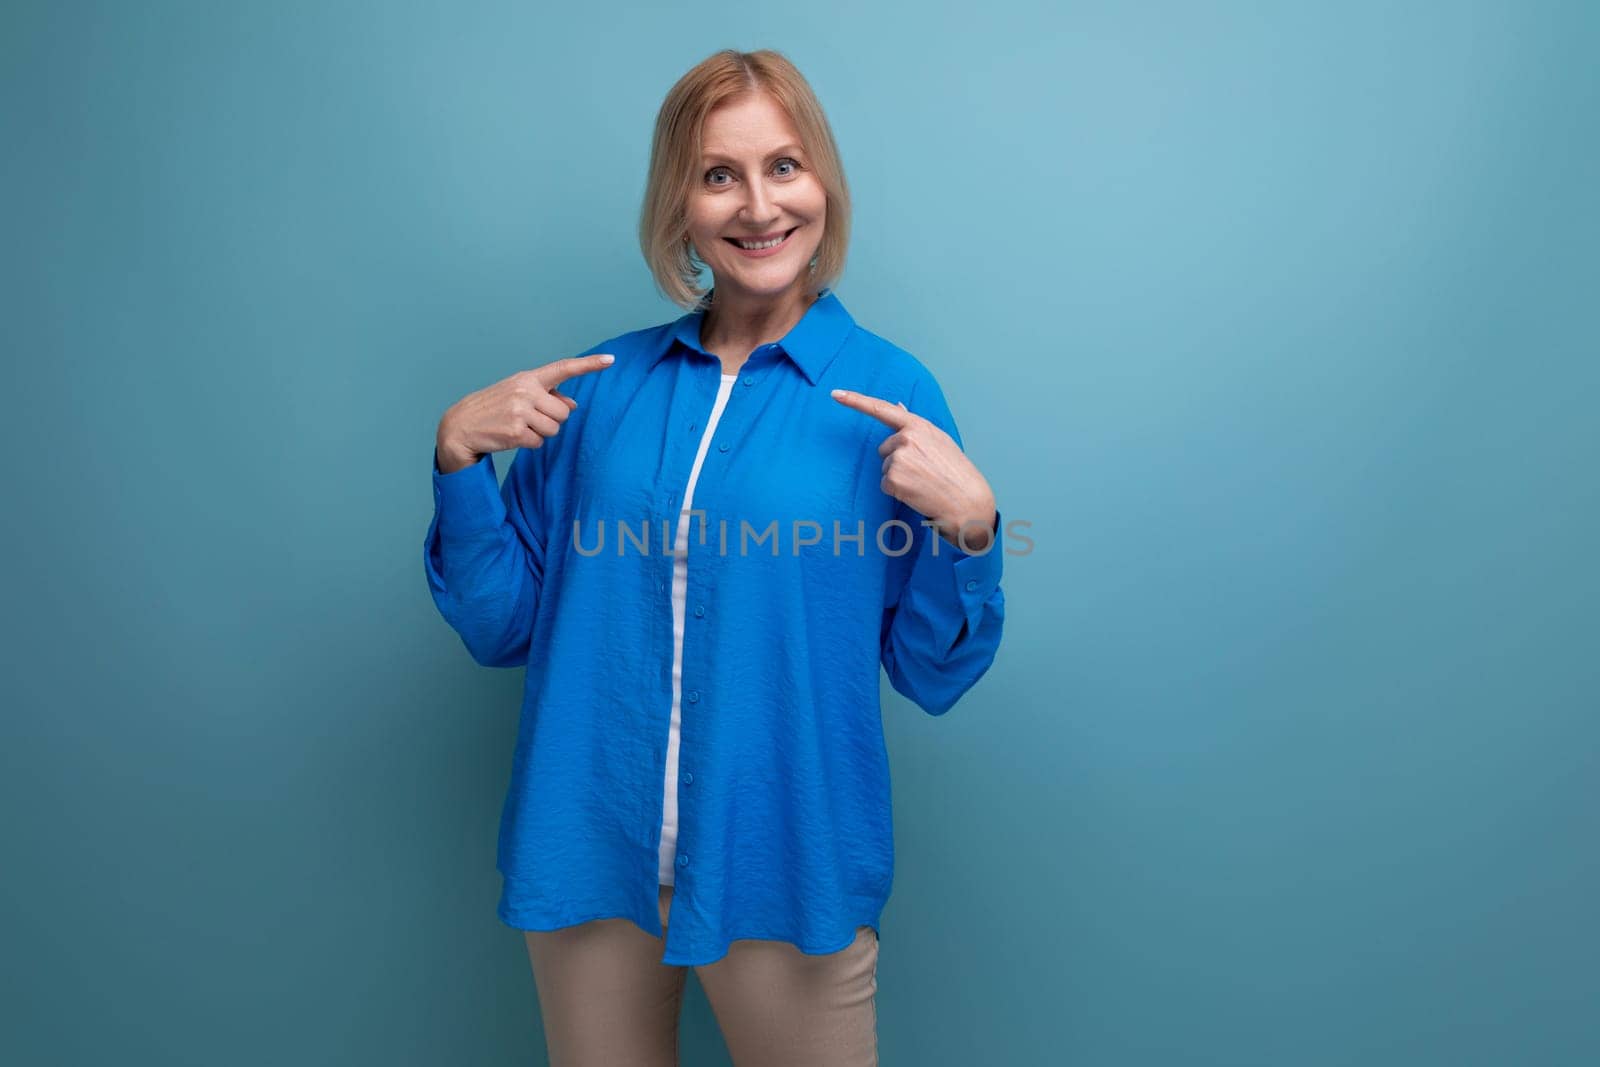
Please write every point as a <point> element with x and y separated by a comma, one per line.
<point>799,590</point>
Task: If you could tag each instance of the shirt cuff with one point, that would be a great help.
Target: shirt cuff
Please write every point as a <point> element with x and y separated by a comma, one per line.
<point>959,578</point>
<point>468,501</point>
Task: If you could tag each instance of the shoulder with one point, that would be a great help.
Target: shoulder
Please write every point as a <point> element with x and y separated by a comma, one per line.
<point>887,369</point>
<point>632,343</point>
<point>633,350</point>
<point>879,367</point>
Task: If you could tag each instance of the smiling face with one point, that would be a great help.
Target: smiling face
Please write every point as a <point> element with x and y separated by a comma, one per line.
<point>755,182</point>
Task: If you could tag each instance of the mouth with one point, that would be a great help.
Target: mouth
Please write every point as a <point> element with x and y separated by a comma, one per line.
<point>765,245</point>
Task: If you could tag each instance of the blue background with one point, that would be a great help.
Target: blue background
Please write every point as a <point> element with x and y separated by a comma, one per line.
<point>1276,322</point>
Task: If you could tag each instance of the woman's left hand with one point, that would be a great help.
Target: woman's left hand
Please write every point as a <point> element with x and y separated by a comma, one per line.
<point>925,468</point>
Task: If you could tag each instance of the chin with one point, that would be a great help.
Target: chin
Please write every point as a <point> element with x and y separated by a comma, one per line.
<point>761,286</point>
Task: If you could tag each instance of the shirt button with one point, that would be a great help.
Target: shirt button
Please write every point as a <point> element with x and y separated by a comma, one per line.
<point>683,859</point>
<point>694,696</point>
<point>972,583</point>
<point>699,611</point>
<point>723,447</point>
<point>688,779</point>
<point>749,380</point>
<point>661,587</point>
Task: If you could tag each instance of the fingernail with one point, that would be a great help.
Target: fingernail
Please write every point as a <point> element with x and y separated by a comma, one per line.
<point>838,392</point>
<point>608,359</point>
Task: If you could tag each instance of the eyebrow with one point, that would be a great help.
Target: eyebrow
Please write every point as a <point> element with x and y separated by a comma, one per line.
<point>786,150</point>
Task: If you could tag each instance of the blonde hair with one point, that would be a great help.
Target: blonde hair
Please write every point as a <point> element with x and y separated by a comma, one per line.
<point>675,160</point>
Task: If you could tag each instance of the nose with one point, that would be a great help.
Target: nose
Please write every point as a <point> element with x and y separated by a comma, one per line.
<point>759,208</point>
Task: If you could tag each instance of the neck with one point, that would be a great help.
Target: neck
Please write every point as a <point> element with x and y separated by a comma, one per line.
<point>743,323</point>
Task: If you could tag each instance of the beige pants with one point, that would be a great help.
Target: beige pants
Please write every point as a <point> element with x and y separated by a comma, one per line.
<point>607,999</point>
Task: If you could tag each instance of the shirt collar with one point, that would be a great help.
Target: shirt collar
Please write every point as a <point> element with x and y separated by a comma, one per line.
<point>811,343</point>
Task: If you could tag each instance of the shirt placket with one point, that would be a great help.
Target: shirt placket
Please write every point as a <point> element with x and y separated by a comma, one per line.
<point>699,579</point>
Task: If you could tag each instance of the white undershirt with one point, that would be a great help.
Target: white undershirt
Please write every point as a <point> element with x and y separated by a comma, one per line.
<point>680,579</point>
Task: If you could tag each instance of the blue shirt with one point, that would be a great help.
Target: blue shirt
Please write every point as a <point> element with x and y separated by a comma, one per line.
<point>784,824</point>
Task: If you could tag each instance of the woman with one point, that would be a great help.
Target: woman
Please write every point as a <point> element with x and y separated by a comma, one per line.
<point>700,776</point>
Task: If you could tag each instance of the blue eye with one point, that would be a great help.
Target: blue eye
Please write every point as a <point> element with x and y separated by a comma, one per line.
<point>786,159</point>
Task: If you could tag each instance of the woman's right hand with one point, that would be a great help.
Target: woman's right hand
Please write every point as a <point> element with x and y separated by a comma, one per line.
<point>515,412</point>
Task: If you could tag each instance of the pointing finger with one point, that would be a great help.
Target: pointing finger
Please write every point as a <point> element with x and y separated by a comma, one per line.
<point>553,374</point>
<point>885,412</point>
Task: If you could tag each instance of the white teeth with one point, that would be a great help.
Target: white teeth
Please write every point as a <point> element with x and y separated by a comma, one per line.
<point>754,245</point>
